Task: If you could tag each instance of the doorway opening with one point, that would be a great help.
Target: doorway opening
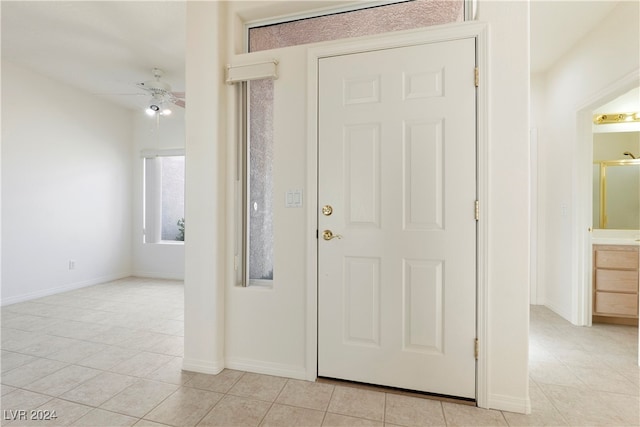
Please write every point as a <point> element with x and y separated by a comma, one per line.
<point>586,234</point>
<point>584,229</point>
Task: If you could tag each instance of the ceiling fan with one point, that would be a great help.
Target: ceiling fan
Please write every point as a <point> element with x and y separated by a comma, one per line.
<point>161,95</point>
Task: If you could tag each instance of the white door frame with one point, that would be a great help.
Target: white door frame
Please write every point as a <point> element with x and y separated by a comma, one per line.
<point>582,295</point>
<point>476,30</point>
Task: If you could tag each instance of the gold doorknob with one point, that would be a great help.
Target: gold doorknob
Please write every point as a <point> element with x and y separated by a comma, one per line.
<point>328,235</point>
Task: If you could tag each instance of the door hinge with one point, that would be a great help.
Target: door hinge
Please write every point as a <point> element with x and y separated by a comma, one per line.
<point>316,234</point>
<point>476,348</point>
<point>476,74</point>
<point>477,210</point>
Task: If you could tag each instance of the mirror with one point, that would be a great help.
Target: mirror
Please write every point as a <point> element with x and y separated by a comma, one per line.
<point>616,180</point>
<point>617,194</point>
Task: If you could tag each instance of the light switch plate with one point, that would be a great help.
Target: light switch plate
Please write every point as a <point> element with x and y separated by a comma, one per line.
<point>293,199</point>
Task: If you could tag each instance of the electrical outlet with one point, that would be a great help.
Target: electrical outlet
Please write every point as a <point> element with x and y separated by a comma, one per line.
<point>72,264</point>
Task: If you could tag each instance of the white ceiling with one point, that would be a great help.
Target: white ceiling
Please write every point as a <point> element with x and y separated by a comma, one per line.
<point>105,47</point>
<point>101,47</point>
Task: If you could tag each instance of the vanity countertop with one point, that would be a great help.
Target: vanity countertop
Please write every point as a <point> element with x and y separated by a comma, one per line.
<point>615,237</point>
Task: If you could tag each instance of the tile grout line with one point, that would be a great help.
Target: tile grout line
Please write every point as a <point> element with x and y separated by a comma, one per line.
<point>551,401</point>
<point>212,407</point>
<point>506,422</point>
<point>273,402</point>
<point>160,403</point>
<point>326,410</point>
<point>384,409</point>
<point>444,413</point>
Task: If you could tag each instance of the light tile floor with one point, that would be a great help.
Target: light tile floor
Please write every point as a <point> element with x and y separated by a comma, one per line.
<point>110,355</point>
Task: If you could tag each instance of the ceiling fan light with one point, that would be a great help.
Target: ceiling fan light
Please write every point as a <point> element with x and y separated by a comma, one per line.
<point>155,108</point>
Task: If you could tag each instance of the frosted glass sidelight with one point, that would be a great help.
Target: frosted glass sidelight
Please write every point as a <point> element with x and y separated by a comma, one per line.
<point>260,191</point>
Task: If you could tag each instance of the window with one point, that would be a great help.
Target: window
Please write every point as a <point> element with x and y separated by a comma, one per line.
<point>256,182</point>
<point>260,182</point>
<point>163,196</point>
<point>360,21</point>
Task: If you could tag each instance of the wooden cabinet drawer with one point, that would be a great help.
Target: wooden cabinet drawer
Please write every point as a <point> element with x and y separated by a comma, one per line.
<point>617,280</point>
<point>616,304</point>
<point>615,283</point>
<point>625,259</point>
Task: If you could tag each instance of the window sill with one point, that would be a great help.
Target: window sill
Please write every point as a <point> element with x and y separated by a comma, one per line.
<point>260,284</point>
<point>167,242</point>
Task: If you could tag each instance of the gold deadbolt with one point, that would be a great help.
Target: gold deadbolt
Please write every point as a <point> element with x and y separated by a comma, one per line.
<point>328,235</point>
<point>327,210</point>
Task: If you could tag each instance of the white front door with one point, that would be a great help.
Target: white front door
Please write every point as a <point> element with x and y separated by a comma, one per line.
<point>397,166</point>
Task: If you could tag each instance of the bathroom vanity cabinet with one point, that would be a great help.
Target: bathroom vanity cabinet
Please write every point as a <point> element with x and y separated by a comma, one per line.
<point>616,277</point>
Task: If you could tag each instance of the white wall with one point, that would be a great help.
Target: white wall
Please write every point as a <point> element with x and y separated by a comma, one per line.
<point>206,236</point>
<point>157,260</point>
<point>66,187</point>
<point>577,80</point>
<point>508,257</point>
<point>264,329</point>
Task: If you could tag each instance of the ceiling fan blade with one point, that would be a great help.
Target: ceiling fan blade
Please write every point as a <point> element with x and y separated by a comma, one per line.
<point>161,91</point>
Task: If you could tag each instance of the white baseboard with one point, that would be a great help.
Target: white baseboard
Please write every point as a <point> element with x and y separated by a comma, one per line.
<point>64,288</point>
<point>159,275</point>
<point>510,404</point>
<point>202,366</point>
<point>559,311</point>
<point>267,368</point>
